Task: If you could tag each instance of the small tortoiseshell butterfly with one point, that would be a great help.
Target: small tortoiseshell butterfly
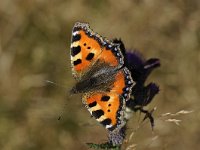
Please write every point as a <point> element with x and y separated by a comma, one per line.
<point>102,78</point>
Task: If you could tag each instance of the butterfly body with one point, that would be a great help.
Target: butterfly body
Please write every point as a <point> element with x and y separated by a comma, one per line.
<point>99,78</point>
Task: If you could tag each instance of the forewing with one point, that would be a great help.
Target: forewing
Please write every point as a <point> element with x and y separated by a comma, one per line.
<point>87,47</point>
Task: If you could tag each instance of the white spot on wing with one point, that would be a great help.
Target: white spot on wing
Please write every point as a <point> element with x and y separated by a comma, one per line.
<point>75,33</point>
<point>101,118</point>
<point>108,126</point>
<point>97,107</point>
<point>75,44</point>
<point>78,56</point>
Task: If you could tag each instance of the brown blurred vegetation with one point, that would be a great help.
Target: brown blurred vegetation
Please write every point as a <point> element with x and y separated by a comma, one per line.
<point>34,47</point>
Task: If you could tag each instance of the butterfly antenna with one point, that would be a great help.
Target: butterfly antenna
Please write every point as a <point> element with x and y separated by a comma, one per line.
<point>67,98</point>
<point>54,83</point>
<point>62,112</point>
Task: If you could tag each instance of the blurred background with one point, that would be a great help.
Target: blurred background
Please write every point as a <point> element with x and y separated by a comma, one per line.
<point>35,45</point>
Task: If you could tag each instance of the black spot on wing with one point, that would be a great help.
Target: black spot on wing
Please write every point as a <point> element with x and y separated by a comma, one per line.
<point>75,50</point>
<point>90,56</point>
<point>106,122</point>
<point>76,37</point>
<point>92,104</point>
<point>76,62</point>
<point>98,113</point>
<point>105,98</point>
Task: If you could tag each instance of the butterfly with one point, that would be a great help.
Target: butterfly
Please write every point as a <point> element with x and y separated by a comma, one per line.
<point>101,77</point>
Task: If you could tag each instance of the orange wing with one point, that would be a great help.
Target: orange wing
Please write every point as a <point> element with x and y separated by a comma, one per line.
<point>108,108</point>
<point>123,83</point>
<point>87,47</point>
